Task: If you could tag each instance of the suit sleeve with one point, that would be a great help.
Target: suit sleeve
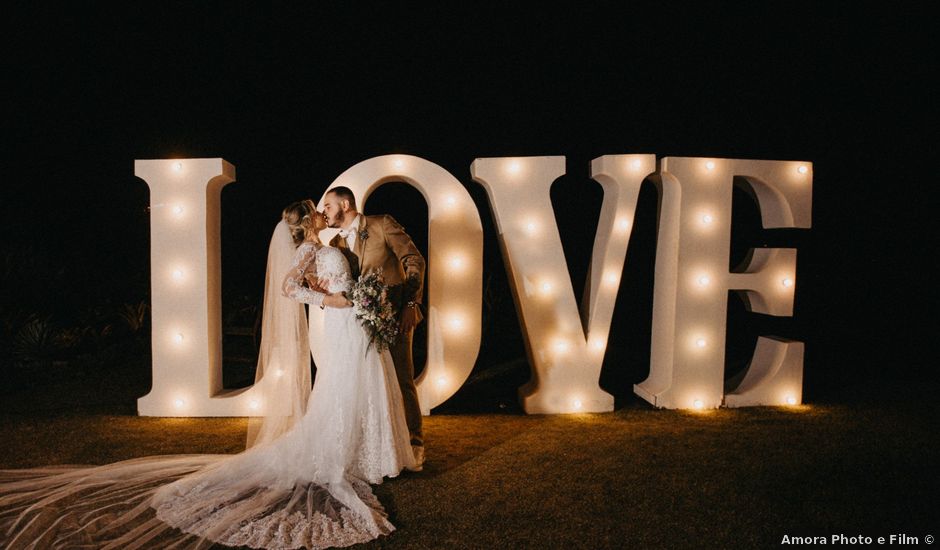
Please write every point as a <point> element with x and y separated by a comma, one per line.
<point>404,248</point>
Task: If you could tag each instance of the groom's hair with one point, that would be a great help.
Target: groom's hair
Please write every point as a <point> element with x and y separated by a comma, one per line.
<point>345,194</point>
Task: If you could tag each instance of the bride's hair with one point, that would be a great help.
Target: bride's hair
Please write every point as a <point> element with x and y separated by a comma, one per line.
<point>304,220</point>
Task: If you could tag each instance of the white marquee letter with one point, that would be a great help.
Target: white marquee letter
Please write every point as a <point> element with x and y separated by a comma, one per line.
<point>455,270</point>
<point>566,361</point>
<point>185,275</point>
<point>692,281</point>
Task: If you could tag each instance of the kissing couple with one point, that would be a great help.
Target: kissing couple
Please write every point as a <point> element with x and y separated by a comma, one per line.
<point>304,479</point>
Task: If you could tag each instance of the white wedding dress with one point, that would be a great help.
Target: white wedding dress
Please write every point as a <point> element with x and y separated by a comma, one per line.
<point>304,484</point>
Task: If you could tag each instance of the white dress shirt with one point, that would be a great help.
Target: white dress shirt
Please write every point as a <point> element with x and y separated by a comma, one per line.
<point>352,232</point>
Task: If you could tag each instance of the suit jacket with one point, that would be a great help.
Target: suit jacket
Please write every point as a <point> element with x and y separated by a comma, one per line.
<point>385,246</point>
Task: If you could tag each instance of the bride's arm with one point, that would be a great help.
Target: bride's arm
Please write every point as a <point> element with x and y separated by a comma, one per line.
<point>293,285</point>
<point>304,268</point>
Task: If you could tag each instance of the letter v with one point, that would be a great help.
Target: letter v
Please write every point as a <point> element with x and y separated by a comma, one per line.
<point>565,351</point>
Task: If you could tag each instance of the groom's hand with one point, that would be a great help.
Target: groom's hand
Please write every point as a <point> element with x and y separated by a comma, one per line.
<point>409,317</point>
<point>317,285</point>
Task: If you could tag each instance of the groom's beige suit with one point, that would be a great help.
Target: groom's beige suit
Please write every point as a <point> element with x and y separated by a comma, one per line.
<point>381,242</point>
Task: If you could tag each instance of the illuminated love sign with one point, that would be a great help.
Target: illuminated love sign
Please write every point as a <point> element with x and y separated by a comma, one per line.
<point>565,340</point>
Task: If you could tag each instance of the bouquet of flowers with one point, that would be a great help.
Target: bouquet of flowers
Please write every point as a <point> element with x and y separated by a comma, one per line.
<point>369,296</point>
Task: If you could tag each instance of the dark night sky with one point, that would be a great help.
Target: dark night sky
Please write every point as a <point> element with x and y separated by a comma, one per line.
<point>294,97</point>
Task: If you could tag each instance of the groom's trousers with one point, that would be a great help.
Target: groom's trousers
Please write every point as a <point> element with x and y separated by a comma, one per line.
<point>405,370</point>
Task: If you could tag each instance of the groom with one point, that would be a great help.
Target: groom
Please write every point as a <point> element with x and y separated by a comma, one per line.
<point>372,242</point>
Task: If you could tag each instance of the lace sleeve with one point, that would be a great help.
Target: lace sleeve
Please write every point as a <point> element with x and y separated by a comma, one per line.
<point>304,265</point>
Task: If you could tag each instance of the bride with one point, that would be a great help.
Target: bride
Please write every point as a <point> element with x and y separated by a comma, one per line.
<point>304,479</point>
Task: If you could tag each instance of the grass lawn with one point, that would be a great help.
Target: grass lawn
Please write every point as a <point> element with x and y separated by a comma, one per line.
<point>634,477</point>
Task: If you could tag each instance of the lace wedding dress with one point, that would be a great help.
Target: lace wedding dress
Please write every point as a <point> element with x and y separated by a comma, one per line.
<point>304,483</point>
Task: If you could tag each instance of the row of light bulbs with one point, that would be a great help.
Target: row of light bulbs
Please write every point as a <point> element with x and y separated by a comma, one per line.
<point>178,275</point>
<point>515,166</point>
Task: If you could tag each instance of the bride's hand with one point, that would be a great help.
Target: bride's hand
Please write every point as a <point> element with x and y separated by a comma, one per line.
<point>337,300</point>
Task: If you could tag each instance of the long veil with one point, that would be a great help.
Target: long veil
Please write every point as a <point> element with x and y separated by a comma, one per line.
<point>113,505</point>
<point>282,378</point>
<point>109,506</point>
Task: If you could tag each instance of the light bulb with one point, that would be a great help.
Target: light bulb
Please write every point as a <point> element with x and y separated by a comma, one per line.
<point>279,373</point>
<point>787,282</point>
<point>700,342</point>
<point>178,274</point>
<point>710,165</point>
<point>560,346</point>
<point>456,263</point>
<point>178,210</point>
<point>441,381</point>
<point>802,169</point>
<point>704,280</point>
<point>698,404</point>
<point>636,164</point>
<point>178,166</point>
<point>611,278</point>
<point>514,167</point>
<point>450,201</point>
<point>531,227</point>
<point>623,224</point>
<point>456,323</point>
<point>179,338</point>
<point>707,219</point>
<point>179,403</point>
<point>597,344</point>
<point>399,163</point>
<point>253,404</point>
<point>577,404</point>
<point>791,400</point>
<point>546,287</point>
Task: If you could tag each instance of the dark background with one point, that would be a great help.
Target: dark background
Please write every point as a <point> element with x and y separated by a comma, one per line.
<point>294,97</point>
